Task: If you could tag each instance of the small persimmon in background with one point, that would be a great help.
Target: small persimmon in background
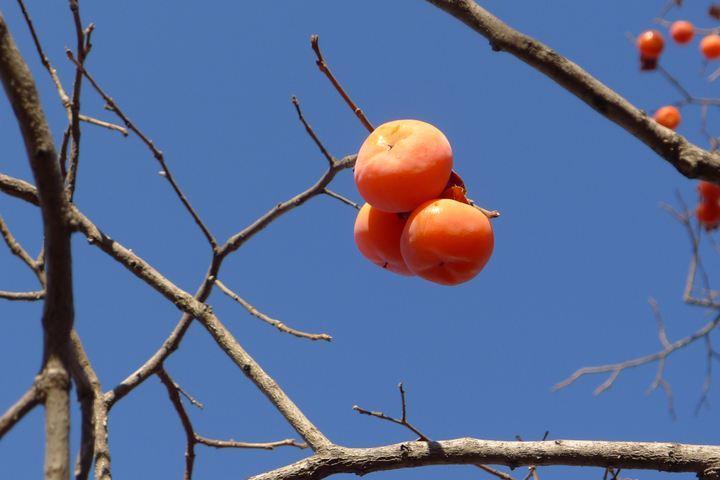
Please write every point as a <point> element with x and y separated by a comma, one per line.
<point>377,235</point>
<point>708,210</point>
<point>668,116</point>
<point>446,241</point>
<point>650,43</point>
<point>708,214</point>
<point>708,191</point>
<point>682,31</point>
<point>710,46</point>
<point>402,164</point>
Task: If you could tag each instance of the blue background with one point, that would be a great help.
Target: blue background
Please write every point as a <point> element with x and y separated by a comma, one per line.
<point>580,246</point>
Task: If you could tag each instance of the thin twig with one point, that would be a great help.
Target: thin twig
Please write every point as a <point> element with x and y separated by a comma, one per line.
<point>192,438</point>
<point>275,323</point>
<point>402,421</point>
<point>344,200</point>
<point>211,442</point>
<point>104,124</point>
<point>184,419</point>
<point>497,473</point>
<point>311,132</point>
<point>82,49</point>
<point>157,154</point>
<point>323,66</point>
<point>15,246</point>
<point>616,368</point>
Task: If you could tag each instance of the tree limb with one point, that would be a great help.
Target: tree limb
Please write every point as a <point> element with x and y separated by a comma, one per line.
<point>670,457</point>
<point>57,318</point>
<point>689,159</point>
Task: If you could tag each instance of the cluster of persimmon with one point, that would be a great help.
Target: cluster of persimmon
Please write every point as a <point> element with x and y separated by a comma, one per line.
<point>418,219</point>
<point>708,209</point>
<point>650,45</point>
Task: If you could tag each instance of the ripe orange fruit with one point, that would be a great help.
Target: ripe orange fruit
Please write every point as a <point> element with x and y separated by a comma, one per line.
<point>402,164</point>
<point>650,44</point>
<point>668,116</point>
<point>446,241</point>
<point>709,191</point>
<point>708,214</point>
<point>710,46</point>
<point>377,235</point>
<point>682,31</point>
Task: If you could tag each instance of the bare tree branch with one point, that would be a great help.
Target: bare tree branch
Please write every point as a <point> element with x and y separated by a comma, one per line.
<point>687,158</point>
<point>344,200</point>
<point>323,66</point>
<point>22,296</point>
<point>403,421</point>
<point>275,323</point>
<point>58,312</point>
<point>703,460</point>
<point>616,368</point>
<point>30,399</point>
<point>21,190</point>
<point>94,442</point>
<point>64,99</point>
<point>157,154</point>
<point>14,246</point>
<point>192,438</point>
<point>174,396</point>
<point>211,442</point>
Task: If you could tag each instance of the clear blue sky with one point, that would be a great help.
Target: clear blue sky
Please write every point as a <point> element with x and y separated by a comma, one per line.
<point>580,246</point>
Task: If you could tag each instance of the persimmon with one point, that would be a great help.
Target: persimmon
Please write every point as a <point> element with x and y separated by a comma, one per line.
<point>402,164</point>
<point>709,191</point>
<point>710,46</point>
<point>446,241</point>
<point>650,44</point>
<point>668,116</point>
<point>708,214</point>
<point>377,235</point>
<point>682,31</point>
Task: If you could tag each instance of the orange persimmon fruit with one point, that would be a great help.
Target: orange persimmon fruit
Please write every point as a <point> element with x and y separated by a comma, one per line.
<point>650,44</point>
<point>710,46</point>
<point>377,235</point>
<point>402,164</point>
<point>668,116</point>
<point>446,241</point>
<point>682,31</point>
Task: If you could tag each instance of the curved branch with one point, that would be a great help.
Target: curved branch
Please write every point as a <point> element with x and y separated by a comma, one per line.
<point>689,159</point>
<point>668,457</point>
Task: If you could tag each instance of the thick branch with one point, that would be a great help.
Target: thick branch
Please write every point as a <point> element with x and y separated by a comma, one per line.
<point>669,457</point>
<point>689,159</point>
<point>58,313</point>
